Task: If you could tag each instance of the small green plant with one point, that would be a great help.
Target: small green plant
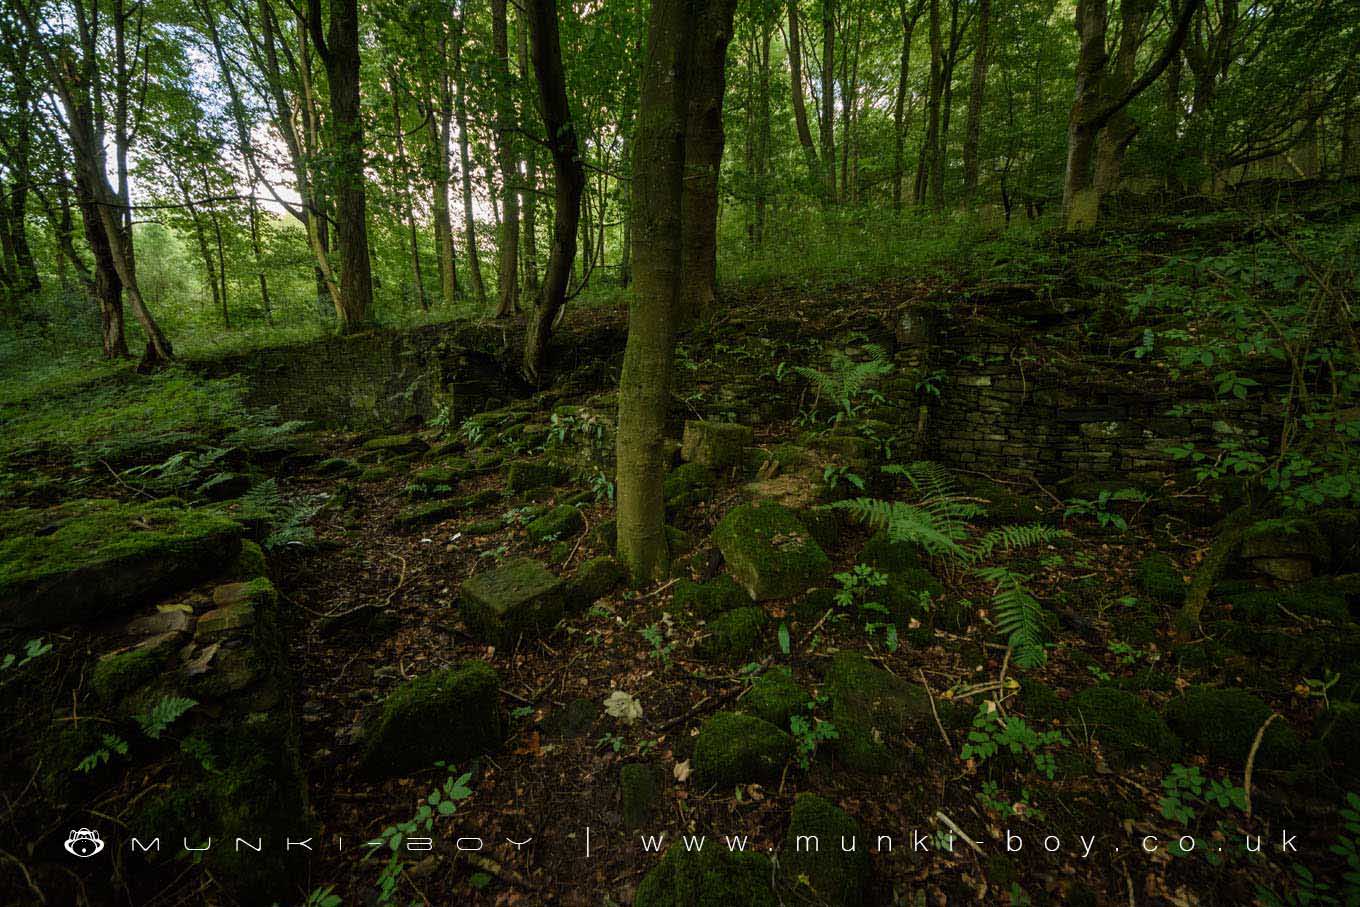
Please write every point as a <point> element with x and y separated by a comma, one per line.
<point>1184,788</point>
<point>847,384</point>
<point>1101,509</point>
<point>992,733</point>
<point>109,745</point>
<point>993,798</point>
<point>442,801</point>
<point>34,648</point>
<point>612,741</point>
<point>656,636</point>
<point>1315,688</point>
<point>833,476</point>
<point>809,731</point>
<point>167,710</point>
<point>857,586</point>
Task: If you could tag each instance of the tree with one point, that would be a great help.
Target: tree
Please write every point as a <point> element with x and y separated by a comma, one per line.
<point>675,28</point>
<point>569,179</point>
<point>508,270</point>
<point>338,48</point>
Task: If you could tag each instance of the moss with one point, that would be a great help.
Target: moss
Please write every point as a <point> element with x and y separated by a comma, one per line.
<point>447,714</point>
<point>376,474</point>
<point>739,749</point>
<point>84,559</point>
<point>717,445</point>
<point>1004,506</point>
<point>531,475</point>
<point>1137,626</point>
<point>517,598</point>
<point>814,854</point>
<point>571,720</point>
<point>484,527</point>
<point>774,697</point>
<point>1339,731</point>
<point>871,710</point>
<point>250,563</point>
<point>882,553</point>
<point>1129,730</point>
<point>437,511</point>
<point>1039,701</point>
<point>712,877</point>
<point>396,444</point>
<point>1158,578</point>
<point>640,786</point>
<point>769,552</point>
<point>1281,647</point>
<point>687,485</point>
<point>115,676</point>
<point>708,600</point>
<point>558,523</point>
<point>436,481</point>
<point>1285,538</point>
<point>593,580</point>
<point>1222,723</point>
<point>1270,606</point>
<point>911,593</point>
<point>733,635</point>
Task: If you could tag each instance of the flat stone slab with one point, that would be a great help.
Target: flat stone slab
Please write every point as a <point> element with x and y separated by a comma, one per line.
<point>770,552</point>
<point>518,598</point>
<point>716,445</point>
<point>87,559</point>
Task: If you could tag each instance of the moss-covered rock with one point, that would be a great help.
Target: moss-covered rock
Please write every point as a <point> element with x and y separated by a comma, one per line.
<point>236,607</point>
<point>1275,606</point>
<point>85,559</point>
<point>437,481</point>
<point>770,552</point>
<point>338,468</point>
<point>517,598</point>
<point>717,445</point>
<point>533,475</point>
<point>774,697</point>
<point>640,784</point>
<point>711,877</point>
<point>825,854</point>
<point>1158,578</point>
<point>438,511</point>
<point>557,523</point>
<point>250,563</point>
<point>1129,730</point>
<point>733,635</point>
<point>1222,723</point>
<point>882,553</point>
<point>376,474</point>
<point>593,580</point>
<point>395,445</point>
<point>1341,525</point>
<point>910,593</point>
<point>1289,549</point>
<point>739,749</point>
<point>448,714</point>
<point>116,675</point>
<point>688,484</point>
<point>708,600</point>
<point>872,710</point>
<point>1039,701</point>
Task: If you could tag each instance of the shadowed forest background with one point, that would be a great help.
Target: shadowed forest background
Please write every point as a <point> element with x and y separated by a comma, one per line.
<point>812,420</point>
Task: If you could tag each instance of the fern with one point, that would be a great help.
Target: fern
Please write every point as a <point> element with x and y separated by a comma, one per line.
<point>287,520</point>
<point>938,523</point>
<point>1017,614</point>
<point>847,380</point>
<point>160,716</point>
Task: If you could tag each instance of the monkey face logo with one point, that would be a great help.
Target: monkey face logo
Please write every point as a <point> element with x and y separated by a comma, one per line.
<point>84,843</point>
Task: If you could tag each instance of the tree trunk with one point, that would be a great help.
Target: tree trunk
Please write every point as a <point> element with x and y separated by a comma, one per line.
<point>569,178</point>
<point>408,205</point>
<point>529,197</point>
<point>438,121</point>
<point>657,211</point>
<point>762,140</point>
<point>976,91</point>
<point>797,96</point>
<point>704,139</point>
<point>508,269</point>
<point>827,120</point>
<point>930,145</point>
<point>900,101</point>
<point>469,224</point>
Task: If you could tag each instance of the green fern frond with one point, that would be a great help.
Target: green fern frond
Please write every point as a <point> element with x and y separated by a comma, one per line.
<point>1018,615</point>
<point>1015,538</point>
<point>904,523</point>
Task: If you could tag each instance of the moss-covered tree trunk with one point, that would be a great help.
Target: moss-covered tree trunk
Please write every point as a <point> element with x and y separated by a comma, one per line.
<point>569,179</point>
<point>508,251</point>
<point>679,35</point>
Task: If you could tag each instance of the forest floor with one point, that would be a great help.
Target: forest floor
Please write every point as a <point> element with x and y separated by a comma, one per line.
<point>1119,734</point>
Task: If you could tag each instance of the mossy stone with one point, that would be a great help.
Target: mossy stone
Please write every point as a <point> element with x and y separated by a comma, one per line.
<point>770,552</point>
<point>687,485</point>
<point>435,482</point>
<point>532,475</point>
<point>1136,626</point>
<point>338,468</point>
<point>708,600</point>
<point>641,784</point>
<point>447,714</point>
<point>1286,537</point>
<point>1039,701</point>
<point>376,474</point>
<point>114,676</point>
<point>711,877</point>
<point>1275,606</point>
<point>250,563</point>
<point>882,553</point>
<point>1158,578</point>
<point>871,710</point>
<point>732,635</point>
<point>517,598</point>
<point>396,444</point>
<point>912,592</point>
<point>815,853</point>
<point>85,559</point>
<point>739,749</point>
<point>717,445</point>
<point>1222,723</point>
<point>774,697</point>
<point>1129,730</point>
<point>593,580</point>
<point>556,524</point>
